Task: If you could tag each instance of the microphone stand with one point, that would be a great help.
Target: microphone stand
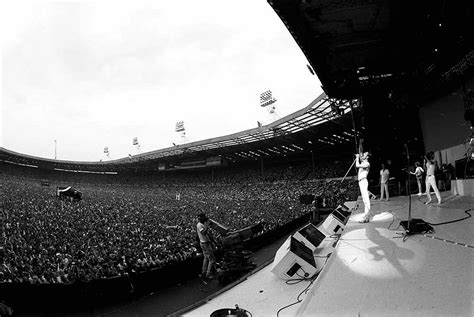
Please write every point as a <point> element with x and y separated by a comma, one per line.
<point>408,189</point>
<point>348,171</point>
<point>417,225</point>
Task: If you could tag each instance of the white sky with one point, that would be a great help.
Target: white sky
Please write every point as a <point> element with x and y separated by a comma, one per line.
<point>92,74</point>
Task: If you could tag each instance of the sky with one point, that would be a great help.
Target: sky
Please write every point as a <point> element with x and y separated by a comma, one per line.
<point>91,74</point>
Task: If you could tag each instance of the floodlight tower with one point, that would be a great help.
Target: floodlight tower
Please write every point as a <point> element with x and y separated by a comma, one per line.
<point>106,152</point>
<point>136,145</point>
<point>182,131</point>
<point>268,101</point>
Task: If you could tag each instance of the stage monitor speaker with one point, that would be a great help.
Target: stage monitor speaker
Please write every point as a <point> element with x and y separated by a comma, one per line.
<point>336,221</point>
<point>344,208</point>
<point>342,213</point>
<point>310,236</point>
<point>294,260</point>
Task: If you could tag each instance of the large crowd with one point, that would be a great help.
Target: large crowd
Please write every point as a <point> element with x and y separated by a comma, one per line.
<point>118,229</point>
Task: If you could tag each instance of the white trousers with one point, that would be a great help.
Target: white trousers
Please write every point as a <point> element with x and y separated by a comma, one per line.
<point>431,182</point>
<point>364,192</point>
<point>384,188</point>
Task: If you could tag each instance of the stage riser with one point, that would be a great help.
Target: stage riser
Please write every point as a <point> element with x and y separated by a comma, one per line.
<point>463,187</point>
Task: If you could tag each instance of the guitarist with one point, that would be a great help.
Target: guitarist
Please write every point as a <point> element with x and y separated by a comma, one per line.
<point>363,166</point>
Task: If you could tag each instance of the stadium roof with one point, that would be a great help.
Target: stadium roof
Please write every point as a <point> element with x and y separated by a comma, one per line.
<point>322,126</point>
<point>356,47</point>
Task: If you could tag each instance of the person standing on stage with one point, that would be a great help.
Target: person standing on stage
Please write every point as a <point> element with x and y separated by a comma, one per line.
<point>430,177</point>
<point>205,240</point>
<point>384,176</point>
<point>419,176</point>
<point>363,165</point>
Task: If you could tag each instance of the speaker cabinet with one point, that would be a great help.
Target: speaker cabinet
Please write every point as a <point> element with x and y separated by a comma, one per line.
<point>336,221</point>
<point>344,208</point>
<point>310,236</point>
<point>294,260</point>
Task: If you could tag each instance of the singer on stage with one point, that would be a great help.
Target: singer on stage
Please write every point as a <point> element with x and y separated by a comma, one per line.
<point>430,177</point>
<point>363,165</point>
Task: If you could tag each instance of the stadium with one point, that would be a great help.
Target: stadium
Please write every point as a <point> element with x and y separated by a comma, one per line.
<point>118,237</point>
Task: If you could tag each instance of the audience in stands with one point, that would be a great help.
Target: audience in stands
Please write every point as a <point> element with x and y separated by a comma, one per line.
<point>117,230</point>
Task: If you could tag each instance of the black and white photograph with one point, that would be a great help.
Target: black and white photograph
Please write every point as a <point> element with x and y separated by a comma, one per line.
<point>236,158</point>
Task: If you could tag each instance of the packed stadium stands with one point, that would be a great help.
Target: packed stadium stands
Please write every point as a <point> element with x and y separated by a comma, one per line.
<point>121,228</point>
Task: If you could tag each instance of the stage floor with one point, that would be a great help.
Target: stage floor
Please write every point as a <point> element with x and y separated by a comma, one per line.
<point>375,270</point>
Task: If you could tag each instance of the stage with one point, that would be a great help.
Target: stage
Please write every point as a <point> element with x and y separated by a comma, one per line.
<point>376,270</point>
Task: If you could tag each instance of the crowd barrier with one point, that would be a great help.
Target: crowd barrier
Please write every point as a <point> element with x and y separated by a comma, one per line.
<point>84,295</point>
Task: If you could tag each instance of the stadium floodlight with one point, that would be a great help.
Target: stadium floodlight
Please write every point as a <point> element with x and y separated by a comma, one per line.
<point>267,101</point>
<point>182,131</point>
<point>179,126</point>
<point>266,98</point>
<point>136,144</point>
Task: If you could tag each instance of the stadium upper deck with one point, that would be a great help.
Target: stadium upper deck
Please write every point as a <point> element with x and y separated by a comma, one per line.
<point>324,125</point>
